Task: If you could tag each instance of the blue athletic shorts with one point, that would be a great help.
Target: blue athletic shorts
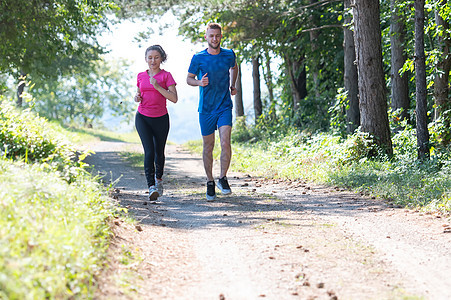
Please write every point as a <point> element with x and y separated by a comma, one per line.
<point>210,122</point>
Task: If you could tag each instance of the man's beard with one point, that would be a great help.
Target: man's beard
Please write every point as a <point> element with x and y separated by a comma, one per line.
<point>211,46</point>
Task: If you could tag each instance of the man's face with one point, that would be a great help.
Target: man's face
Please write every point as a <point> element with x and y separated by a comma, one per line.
<point>213,37</point>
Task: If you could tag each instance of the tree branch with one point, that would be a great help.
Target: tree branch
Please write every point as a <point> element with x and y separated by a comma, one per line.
<point>320,3</point>
<point>322,27</point>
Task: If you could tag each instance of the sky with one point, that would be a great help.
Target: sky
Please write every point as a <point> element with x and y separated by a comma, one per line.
<point>183,115</point>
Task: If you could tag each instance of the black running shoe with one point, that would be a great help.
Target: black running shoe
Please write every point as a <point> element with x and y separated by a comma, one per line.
<point>223,185</point>
<point>211,193</point>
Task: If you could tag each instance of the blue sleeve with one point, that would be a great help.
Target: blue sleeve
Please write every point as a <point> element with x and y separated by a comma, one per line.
<point>194,66</point>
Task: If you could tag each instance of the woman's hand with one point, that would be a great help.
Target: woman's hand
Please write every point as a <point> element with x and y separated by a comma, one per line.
<point>138,98</point>
<point>154,82</point>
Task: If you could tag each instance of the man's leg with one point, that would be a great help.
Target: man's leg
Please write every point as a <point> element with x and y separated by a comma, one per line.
<point>207,126</point>
<point>226,148</point>
<point>207,155</point>
<point>226,154</point>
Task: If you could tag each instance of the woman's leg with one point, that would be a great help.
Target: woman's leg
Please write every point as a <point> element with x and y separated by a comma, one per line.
<point>161,130</point>
<point>144,127</point>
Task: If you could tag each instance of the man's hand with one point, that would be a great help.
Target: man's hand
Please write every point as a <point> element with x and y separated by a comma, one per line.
<point>204,80</point>
<point>233,90</point>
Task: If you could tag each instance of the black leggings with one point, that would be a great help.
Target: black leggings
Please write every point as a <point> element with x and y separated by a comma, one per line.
<point>153,133</point>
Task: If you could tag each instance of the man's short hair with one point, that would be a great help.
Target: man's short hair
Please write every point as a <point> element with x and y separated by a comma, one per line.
<point>213,26</point>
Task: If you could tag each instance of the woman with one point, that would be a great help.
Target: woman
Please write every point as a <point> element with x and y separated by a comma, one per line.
<point>155,85</point>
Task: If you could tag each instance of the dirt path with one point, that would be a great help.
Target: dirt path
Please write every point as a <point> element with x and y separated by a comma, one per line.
<point>269,240</point>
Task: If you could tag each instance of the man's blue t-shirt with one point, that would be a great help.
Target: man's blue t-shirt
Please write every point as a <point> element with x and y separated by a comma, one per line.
<point>215,97</point>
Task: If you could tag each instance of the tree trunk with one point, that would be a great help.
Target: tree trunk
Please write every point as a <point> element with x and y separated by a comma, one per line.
<point>373,100</point>
<point>257,92</point>
<point>441,87</point>
<point>20,89</point>
<point>269,84</point>
<point>298,80</point>
<point>239,109</point>
<point>420,80</point>
<point>314,35</point>
<point>400,84</point>
<point>351,80</point>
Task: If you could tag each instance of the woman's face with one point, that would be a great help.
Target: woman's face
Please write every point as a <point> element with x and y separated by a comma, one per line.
<point>153,59</point>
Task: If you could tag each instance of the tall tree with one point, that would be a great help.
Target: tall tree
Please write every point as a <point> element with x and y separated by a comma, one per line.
<point>350,74</point>
<point>284,27</point>
<point>420,81</point>
<point>239,108</point>
<point>21,88</point>
<point>373,101</point>
<point>257,91</point>
<point>442,72</point>
<point>314,36</point>
<point>50,37</point>
<point>399,83</point>
<point>269,84</point>
<point>297,77</point>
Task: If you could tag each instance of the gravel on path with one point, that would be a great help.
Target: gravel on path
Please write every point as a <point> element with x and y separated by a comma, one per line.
<point>270,239</point>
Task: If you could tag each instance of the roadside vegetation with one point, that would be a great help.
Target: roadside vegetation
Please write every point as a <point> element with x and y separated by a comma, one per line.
<point>328,158</point>
<point>54,217</point>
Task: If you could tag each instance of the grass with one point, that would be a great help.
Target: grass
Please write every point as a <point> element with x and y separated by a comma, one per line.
<point>326,159</point>
<point>86,135</point>
<point>53,235</point>
<point>54,216</point>
<point>134,158</point>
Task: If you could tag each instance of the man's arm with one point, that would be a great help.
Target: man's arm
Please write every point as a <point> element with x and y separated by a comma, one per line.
<point>234,75</point>
<point>191,80</point>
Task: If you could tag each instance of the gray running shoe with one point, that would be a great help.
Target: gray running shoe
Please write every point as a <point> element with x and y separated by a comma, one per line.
<point>223,185</point>
<point>211,193</point>
<point>153,193</point>
<point>159,186</point>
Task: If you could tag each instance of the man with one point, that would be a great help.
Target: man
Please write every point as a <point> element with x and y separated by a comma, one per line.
<point>216,72</point>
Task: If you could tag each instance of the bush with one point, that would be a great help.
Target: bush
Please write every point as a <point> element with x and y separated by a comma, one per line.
<point>54,216</point>
<point>53,235</point>
<point>326,158</point>
<point>25,136</point>
<point>240,131</point>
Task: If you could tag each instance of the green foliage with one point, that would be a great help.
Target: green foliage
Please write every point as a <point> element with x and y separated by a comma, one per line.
<point>266,128</point>
<point>326,158</point>
<point>441,129</point>
<point>240,131</point>
<point>53,234</point>
<point>25,136</point>
<point>359,147</point>
<point>50,38</point>
<point>310,33</point>
<point>54,219</point>
<point>83,99</point>
<point>144,9</point>
<point>281,28</point>
<point>337,117</point>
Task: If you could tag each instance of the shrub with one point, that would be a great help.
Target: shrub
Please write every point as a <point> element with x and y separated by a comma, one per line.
<point>53,234</point>
<point>25,136</point>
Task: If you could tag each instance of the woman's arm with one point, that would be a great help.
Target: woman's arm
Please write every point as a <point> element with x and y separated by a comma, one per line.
<point>138,96</point>
<point>170,93</point>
